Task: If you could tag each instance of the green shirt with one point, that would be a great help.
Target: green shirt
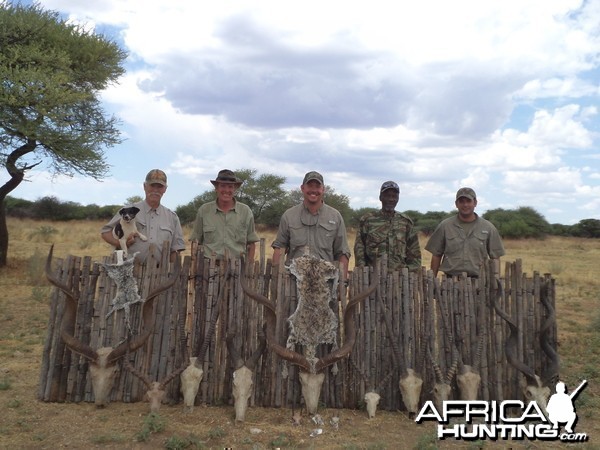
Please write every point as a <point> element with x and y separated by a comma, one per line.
<point>463,249</point>
<point>218,231</point>
<point>322,234</point>
<point>393,235</point>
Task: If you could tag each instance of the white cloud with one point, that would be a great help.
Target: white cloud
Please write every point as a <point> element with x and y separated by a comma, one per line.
<point>499,95</point>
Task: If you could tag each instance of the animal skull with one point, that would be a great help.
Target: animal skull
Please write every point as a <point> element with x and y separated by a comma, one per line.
<point>242,389</point>
<point>468,383</point>
<point>190,383</point>
<point>372,400</point>
<point>410,388</point>
<point>311,389</point>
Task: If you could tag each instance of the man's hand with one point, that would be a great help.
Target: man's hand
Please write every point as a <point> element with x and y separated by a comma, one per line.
<point>131,239</point>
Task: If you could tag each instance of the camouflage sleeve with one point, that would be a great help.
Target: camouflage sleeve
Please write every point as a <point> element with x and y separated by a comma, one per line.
<point>359,245</point>
<point>413,250</point>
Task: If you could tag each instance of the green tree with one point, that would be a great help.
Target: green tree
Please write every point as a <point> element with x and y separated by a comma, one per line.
<point>187,213</point>
<point>341,202</point>
<point>51,73</point>
<point>259,193</point>
<point>357,215</point>
<point>524,222</point>
<point>133,199</point>
<point>588,228</point>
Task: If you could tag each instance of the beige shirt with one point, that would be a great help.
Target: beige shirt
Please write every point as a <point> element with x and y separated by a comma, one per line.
<point>158,225</point>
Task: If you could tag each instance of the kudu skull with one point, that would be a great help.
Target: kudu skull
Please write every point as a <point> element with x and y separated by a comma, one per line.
<point>103,361</point>
<point>311,366</point>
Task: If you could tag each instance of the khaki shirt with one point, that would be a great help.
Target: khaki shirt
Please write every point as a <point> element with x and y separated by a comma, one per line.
<point>158,225</point>
<point>322,234</point>
<point>218,231</point>
<point>464,251</point>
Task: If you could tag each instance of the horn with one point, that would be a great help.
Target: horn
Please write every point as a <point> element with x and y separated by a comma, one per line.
<point>295,357</point>
<point>67,328</point>
<point>510,346</point>
<point>147,321</point>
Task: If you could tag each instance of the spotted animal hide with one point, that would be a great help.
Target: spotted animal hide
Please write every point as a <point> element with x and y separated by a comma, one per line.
<point>314,322</point>
<point>127,289</point>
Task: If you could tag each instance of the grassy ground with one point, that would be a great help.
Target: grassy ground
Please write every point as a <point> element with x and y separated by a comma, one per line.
<point>28,423</point>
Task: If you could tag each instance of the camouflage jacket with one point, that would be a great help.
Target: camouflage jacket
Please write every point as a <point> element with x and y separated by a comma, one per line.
<point>392,235</point>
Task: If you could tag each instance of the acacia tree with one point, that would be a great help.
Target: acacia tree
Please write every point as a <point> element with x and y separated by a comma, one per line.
<point>51,73</point>
<point>259,193</point>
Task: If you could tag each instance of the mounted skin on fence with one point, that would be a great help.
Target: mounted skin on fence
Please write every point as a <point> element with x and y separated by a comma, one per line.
<point>314,290</point>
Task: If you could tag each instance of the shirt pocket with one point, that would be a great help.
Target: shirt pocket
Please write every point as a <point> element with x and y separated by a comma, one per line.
<point>326,235</point>
<point>209,235</point>
<point>453,243</point>
<point>481,243</point>
<point>240,233</point>
<point>298,236</point>
<point>401,239</point>
<point>400,245</point>
<point>141,225</point>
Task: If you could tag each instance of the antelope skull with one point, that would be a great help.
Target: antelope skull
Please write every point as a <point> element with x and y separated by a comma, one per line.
<point>311,366</point>
<point>531,384</point>
<point>242,375</point>
<point>103,362</point>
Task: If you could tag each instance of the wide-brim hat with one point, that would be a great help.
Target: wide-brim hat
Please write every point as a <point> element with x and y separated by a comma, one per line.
<point>226,176</point>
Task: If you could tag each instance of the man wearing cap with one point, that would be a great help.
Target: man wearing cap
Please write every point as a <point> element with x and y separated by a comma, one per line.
<point>387,232</point>
<point>226,223</point>
<point>461,243</point>
<point>312,227</point>
<point>157,222</point>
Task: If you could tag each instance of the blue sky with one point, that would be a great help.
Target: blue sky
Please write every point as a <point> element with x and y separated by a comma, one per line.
<point>501,96</point>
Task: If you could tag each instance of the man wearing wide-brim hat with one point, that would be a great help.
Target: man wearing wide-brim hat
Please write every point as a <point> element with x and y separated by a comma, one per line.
<point>227,176</point>
<point>226,225</point>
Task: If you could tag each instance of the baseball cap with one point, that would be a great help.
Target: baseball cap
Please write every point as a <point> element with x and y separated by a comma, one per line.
<point>389,185</point>
<point>156,176</point>
<point>466,192</point>
<point>313,176</point>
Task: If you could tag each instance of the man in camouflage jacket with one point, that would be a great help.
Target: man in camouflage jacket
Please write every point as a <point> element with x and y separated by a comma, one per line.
<point>388,232</point>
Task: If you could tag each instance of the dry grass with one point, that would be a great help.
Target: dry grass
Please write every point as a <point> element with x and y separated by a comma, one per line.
<point>27,423</point>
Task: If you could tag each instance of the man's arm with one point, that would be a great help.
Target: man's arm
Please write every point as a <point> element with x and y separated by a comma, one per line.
<point>360,258</point>
<point>109,238</point>
<point>197,229</point>
<point>251,250</point>
<point>277,251</point>
<point>413,250</point>
<point>435,264</point>
<point>344,266</point>
<point>496,263</point>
